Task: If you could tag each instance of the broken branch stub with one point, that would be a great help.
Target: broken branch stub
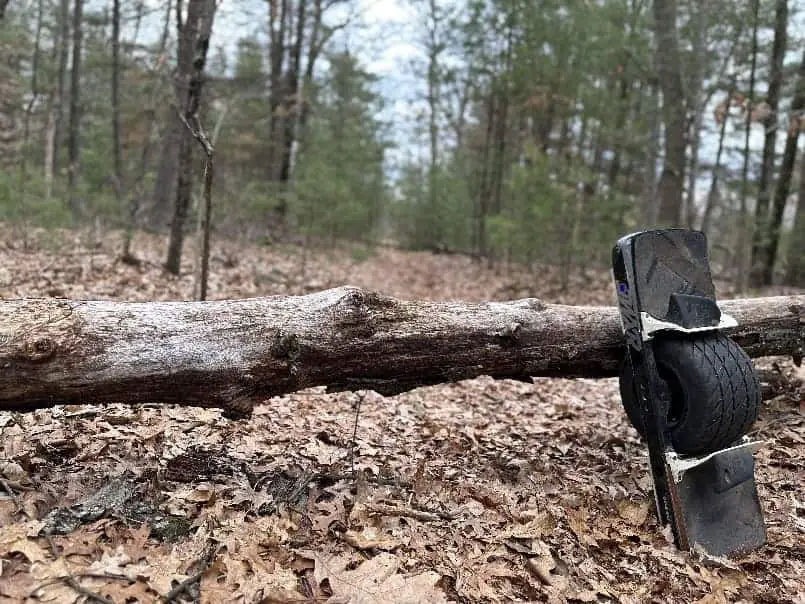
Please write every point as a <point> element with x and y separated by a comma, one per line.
<point>234,353</point>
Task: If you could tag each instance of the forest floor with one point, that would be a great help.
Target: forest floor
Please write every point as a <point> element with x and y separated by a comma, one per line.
<point>479,491</point>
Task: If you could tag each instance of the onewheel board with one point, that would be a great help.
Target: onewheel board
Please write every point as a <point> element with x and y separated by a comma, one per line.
<point>689,390</point>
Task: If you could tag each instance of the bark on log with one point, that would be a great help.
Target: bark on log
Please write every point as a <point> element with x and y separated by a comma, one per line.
<point>232,354</point>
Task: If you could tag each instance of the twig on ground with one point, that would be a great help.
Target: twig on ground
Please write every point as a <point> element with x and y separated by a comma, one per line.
<point>424,516</point>
<point>385,481</point>
<point>70,580</point>
<point>354,443</point>
<point>203,564</point>
<point>87,593</point>
<point>110,576</point>
<point>11,494</point>
<point>184,586</point>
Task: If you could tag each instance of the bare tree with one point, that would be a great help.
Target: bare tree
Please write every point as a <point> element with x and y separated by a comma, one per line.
<point>56,100</point>
<point>10,102</point>
<point>161,203</point>
<point>783,187</point>
<point>795,273</point>
<point>318,38</point>
<point>116,69</point>
<point>699,22</point>
<point>649,210</point>
<point>434,48</point>
<point>769,145</point>
<point>712,195</point>
<point>743,223</point>
<point>278,11</point>
<point>669,71</point>
<point>136,192</point>
<point>74,129</point>
<point>205,222</point>
<point>292,101</point>
<point>26,131</point>
<point>433,21</point>
<point>699,98</point>
<point>194,42</point>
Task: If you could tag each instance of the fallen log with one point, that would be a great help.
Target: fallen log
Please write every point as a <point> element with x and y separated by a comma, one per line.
<point>234,353</point>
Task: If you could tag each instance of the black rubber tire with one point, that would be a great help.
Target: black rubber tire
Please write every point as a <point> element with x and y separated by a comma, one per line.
<point>715,394</point>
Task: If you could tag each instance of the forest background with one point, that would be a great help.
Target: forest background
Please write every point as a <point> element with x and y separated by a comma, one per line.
<point>512,131</point>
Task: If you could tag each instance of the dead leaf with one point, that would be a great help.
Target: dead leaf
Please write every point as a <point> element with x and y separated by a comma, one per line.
<point>14,473</point>
<point>370,538</point>
<point>376,580</point>
<point>119,563</point>
<point>19,538</point>
<point>579,521</point>
<point>533,529</point>
<point>635,514</point>
<point>27,547</point>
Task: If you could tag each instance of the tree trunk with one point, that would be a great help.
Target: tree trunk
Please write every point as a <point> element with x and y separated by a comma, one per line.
<point>195,40</point>
<point>693,170</point>
<point>165,181</point>
<point>585,216</point>
<point>649,209</point>
<point>544,124</point>
<point>26,130</point>
<point>162,200</point>
<point>136,191</point>
<point>11,98</point>
<point>784,180</point>
<point>116,148</point>
<point>74,128</point>
<point>669,71</point>
<point>771,124</point>
<point>483,193</point>
<point>276,59</point>
<point>502,115</point>
<point>434,50</point>
<point>312,55</point>
<point>56,118</point>
<point>232,354</point>
<point>741,251</point>
<point>499,174</point>
<point>3,5</point>
<point>618,136</point>
<point>795,273</point>
<point>292,101</point>
<point>700,17</point>
<point>712,195</point>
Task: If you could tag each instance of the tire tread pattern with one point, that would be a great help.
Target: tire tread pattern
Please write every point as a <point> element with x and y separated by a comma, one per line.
<point>720,386</point>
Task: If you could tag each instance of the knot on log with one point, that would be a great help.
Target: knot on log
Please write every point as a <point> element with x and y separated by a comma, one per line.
<point>361,301</point>
<point>510,333</point>
<point>38,350</point>
<point>532,304</point>
<point>286,346</point>
<point>536,304</point>
<point>353,311</point>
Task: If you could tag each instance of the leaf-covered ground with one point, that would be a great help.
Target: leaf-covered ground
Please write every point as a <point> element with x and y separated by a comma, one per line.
<point>481,491</point>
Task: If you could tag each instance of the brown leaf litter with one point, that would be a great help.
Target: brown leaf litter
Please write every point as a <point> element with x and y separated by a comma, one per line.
<point>479,491</point>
